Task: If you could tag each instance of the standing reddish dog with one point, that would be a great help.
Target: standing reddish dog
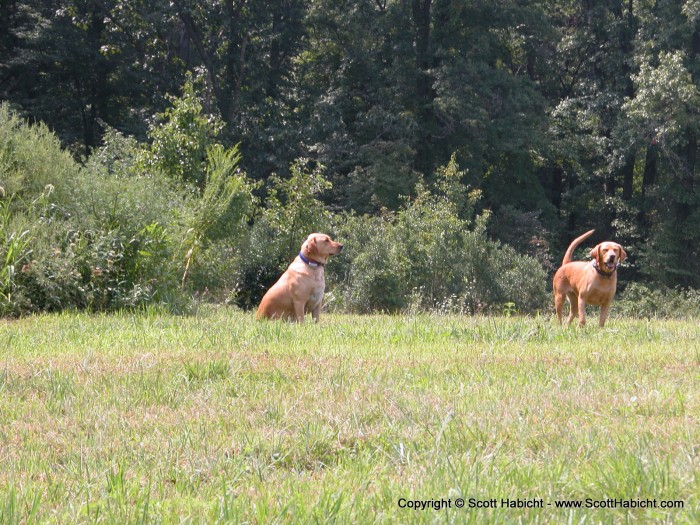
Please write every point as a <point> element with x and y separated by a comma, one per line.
<point>300,289</point>
<point>591,282</point>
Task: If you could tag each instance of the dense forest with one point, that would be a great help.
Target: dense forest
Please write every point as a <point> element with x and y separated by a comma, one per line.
<point>520,123</point>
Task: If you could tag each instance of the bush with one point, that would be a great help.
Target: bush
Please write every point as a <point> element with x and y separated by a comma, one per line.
<point>219,215</point>
<point>15,251</point>
<point>120,232</point>
<point>425,257</point>
<point>31,159</point>
<point>99,237</point>
<point>99,270</point>
<point>639,300</point>
<point>34,175</point>
<point>110,241</point>
<point>367,276</point>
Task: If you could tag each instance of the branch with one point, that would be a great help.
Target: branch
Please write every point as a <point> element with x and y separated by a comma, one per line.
<point>196,36</point>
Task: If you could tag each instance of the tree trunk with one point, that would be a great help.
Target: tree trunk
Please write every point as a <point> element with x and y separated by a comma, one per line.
<point>628,179</point>
<point>226,82</point>
<point>651,161</point>
<point>424,95</point>
<point>275,56</point>
<point>689,153</point>
<point>650,166</point>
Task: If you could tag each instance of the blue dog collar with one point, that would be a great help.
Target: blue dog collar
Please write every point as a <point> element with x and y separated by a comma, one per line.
<point>313,264</point>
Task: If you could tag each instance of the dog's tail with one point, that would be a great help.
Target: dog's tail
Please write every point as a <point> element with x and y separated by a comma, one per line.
<point>578,240</point>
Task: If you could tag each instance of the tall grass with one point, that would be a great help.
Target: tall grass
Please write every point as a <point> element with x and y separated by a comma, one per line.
<point>154,418</point>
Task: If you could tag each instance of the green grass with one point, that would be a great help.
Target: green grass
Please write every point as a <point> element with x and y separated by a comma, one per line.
<point>150,418</point>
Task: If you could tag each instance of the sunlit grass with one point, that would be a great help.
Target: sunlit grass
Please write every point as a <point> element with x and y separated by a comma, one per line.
<point>155,418</point>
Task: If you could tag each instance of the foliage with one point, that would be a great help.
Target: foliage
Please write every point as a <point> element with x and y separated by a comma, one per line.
<point>14,254</point>
<point>367,273</point>
<point>565,115</point>
<point>31,159</point>
<point>426,257</point>
<point>226,203</point>
<point>666,102</point>
<point>100,270</point>
<point>638,300</point>
<point>664,113</point>
<point>111,243</point>
<point>100,237</point>
<point>523,231</point>
<point>293,208</point>
<point>180,137</point>
<point>120,236</point>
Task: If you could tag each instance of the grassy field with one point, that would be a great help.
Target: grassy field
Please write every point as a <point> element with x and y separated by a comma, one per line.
<point>151,418</point>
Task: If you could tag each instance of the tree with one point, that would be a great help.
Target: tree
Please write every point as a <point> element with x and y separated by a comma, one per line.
<point>180,138</point>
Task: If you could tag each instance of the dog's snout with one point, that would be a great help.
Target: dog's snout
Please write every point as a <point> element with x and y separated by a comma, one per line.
<point>340,248</point>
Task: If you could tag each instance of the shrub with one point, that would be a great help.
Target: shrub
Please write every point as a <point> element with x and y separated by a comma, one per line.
<point>523,231</point>
<point>110,242</point>
<point>34,176</point>
<point>425,257</point>
<point>367,276</point>
<point>98,237</point>
<point>99,270</point>
<point>126,230</point>
<point>639,300</point>
<point>31,159</point>
<point>184,151</point>
<point>220,214</point>
<point>180,137</point>
<point>506,277</point>
<point>14,255</point>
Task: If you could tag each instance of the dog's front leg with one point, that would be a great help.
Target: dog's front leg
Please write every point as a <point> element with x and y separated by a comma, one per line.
<point>581,311</point>
<point>299,311</point>
<point>604,310</point>
<point>316,312</point>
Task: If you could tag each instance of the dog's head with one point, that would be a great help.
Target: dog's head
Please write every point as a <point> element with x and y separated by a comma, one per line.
<point>319,246</point>
<point>608,255</point>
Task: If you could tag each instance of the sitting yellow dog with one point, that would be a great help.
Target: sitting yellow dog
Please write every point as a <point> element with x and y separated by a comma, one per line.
<point>301,287</point>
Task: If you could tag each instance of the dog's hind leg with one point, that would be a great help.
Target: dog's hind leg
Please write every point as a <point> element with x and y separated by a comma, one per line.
<point>559,300</point>
<point>573,307</point>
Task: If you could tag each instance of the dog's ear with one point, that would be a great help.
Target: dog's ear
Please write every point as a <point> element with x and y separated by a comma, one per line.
<point>623,254</point>
<point>311,246</point>
<point>595,253</point>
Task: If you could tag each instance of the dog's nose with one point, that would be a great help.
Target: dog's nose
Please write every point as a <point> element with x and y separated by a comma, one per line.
<point>340,248</point>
